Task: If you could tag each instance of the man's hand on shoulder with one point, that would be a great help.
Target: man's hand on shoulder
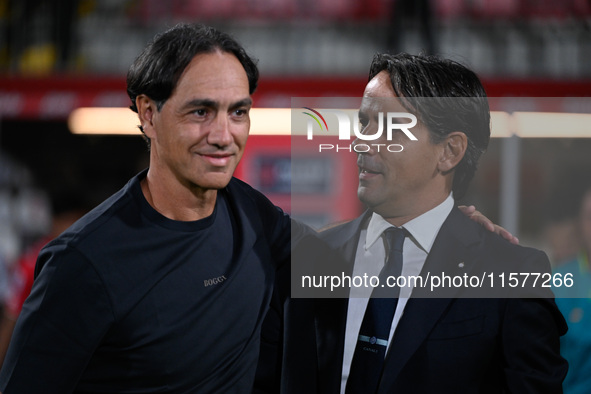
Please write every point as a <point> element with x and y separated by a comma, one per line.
<point>479,218</point>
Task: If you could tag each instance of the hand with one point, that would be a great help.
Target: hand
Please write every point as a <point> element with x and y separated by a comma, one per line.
<point>479,218</point>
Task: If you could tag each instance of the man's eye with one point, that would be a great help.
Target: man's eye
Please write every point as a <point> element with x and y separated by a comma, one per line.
<point>240,112</point>
<point>200,112</point>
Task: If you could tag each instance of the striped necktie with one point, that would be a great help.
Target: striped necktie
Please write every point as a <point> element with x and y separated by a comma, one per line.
<point>370,351</point>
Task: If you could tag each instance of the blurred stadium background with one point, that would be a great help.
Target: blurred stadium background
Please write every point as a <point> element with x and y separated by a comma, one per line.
<point>56,56</point>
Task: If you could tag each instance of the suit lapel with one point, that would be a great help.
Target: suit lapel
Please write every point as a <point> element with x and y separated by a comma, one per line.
<point>450,254</point>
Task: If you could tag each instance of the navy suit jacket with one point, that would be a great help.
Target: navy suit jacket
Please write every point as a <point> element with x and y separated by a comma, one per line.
<point>441,345</point>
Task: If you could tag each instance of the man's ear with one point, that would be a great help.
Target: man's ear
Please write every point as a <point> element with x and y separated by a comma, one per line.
<point>454,148</point>
<point>146,108</point>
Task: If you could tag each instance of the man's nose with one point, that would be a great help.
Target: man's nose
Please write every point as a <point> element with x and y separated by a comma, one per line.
<point>219,133</point>
<point>366,147</point>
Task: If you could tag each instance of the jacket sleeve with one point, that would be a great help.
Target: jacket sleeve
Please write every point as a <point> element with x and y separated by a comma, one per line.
<point>531,344</point>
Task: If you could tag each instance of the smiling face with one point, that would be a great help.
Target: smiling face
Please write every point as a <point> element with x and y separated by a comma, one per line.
<point>402,185</point>
<point>199,134</point>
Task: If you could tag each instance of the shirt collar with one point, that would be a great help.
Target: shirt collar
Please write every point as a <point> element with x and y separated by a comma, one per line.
<point>423,228</point>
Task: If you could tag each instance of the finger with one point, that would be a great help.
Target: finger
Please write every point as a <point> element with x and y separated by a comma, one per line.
<point>490,226</point>
<point>507,235</point>
<point>510,237</point>
<point>467,210</point>
<point>485,222</point>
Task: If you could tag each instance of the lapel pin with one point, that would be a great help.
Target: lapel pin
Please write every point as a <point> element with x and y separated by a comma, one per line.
<point>461,265</point>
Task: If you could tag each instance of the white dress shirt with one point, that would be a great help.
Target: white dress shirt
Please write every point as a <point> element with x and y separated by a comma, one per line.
<point>370,258</point>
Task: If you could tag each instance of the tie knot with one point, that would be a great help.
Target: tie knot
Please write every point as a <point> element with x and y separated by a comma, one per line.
<point>395,237</point>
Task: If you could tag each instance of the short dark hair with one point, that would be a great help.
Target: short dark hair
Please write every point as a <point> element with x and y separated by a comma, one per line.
<point>460,105</point>
<point>157,70</point>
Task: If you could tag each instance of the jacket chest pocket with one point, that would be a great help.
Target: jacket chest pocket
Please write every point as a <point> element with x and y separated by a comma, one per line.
<point>458,328</point>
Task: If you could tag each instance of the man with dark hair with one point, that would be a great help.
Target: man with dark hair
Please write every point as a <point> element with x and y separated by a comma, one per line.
<point>452,87</point>
<point>156,72</point>
<point>163,287</point>
<point>408,339</point>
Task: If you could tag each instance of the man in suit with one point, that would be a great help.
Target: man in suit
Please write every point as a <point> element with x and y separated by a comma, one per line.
<point>452,341</point>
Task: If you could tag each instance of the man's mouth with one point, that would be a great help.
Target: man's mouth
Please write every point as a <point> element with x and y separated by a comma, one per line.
<point>367,168</point>
<point>217,159</point>
<point>367,171</point>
